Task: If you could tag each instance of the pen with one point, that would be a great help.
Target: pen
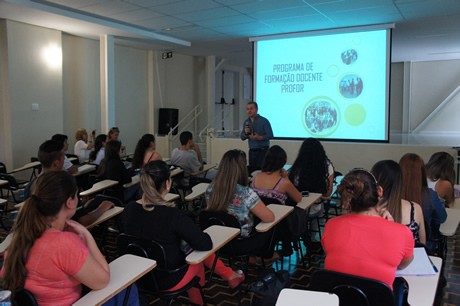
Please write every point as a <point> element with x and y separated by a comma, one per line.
<point>434,267</point>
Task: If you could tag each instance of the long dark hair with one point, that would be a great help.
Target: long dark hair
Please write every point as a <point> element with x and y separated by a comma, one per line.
<point>98,144</point>
<point>310,169</point>
<point>274,160</point>
<point>112,152</point>
<point>139,153</point>
<point>388,174</point>
<point>358,189</point>
<point>232,171</point>
<point>49,193</point>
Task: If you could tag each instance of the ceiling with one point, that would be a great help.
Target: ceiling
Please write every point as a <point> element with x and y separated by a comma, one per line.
<point>424,29</point>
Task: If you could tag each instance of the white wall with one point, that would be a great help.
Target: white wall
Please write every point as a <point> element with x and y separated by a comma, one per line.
<point>30,81</point>
<point>344,156</point>
<point>81,86</point>
<point>131,95</point>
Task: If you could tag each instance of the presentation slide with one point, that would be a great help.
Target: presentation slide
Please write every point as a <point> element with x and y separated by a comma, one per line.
<point>332,86</point>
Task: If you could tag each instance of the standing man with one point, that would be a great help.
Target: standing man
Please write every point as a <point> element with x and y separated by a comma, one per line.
<point>258,131</point>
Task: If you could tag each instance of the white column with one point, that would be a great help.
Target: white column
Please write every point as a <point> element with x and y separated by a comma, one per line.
<point>107,55</point>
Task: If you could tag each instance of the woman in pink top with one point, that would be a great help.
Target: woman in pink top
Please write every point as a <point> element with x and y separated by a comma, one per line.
<point>363,242</point>
<point>50,254</point>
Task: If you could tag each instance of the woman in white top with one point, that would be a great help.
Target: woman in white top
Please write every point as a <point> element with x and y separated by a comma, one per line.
<point>98,154</point>
<point>81,146</point>
<point>441,176</point>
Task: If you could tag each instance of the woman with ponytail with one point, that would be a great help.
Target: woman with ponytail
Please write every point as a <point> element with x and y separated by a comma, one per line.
<point>153,218</point>
<point>51,255</point>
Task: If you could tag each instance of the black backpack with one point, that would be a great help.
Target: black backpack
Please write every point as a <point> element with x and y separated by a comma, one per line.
<point>267,287</point>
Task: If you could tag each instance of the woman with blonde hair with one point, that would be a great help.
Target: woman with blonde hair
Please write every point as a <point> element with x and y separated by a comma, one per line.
<point>84,144</point>
<point>50,254</point>
<point>153,218</point>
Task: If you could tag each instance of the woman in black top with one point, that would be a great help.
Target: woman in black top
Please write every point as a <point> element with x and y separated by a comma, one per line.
<point>153,218</point>
<point>113,168</point>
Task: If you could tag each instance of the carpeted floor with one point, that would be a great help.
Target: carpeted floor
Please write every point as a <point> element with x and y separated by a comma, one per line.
<point>217,292</point>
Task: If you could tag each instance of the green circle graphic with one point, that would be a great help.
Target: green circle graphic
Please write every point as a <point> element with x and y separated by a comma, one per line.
<point>355,114</point>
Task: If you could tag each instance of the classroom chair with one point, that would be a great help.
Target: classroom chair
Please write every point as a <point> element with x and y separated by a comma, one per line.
<point>153,281</point>
<point>352,290</point>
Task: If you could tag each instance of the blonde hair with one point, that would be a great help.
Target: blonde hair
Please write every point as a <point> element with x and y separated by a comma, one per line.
<point>153,180</point>
<point>80,133</point>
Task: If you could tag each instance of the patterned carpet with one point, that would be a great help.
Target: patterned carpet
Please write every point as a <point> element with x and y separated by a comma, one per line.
<point>218,292</point>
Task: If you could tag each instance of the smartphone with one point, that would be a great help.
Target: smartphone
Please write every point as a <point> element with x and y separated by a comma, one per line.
<point>305,193</point>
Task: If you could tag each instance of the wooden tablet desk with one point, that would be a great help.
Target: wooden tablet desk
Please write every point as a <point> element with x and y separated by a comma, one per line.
<point>205,170</point>
<point>84,169</point>
<point>449,227</point>
<point>197,191</point>
<point>3,182</point>
<point>19,205</point>
<point>308,201</point>
<point>297,297</point>
<point>109,214</point>
<point>280,212</point>
<point>422,289</point>
<point>124,271</point>
<point>99,186</point>
<point>27,166</point>
<point>176,171</point>
<point>5,243</point>
<point>134,181</point>
<point>220,236</point>
<point>170,197</point>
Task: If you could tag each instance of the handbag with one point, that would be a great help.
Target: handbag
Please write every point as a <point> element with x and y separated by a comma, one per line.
<point>266,289</point>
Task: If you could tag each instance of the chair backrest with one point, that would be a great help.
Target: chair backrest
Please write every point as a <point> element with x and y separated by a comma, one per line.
<point>352,290</point>
<point>24,298</point>
<point>3,168</point>
<point>127,244</point>
<point>12,183</point>
<point>208,218</point>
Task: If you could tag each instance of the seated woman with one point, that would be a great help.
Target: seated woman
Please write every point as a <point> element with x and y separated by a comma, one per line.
<point>98,154</point>
<point>51,255</point>
<point>153,218</point>
<point>415,189</point>
<point>84,144</point>
<point>313,171</point>
<point>230,193</point>
<point>113,168</point>
<point>272,182</point>
<point>388,174</point>
<point>362,242</point>
<point>441,176</point>
<point>145,152</point>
